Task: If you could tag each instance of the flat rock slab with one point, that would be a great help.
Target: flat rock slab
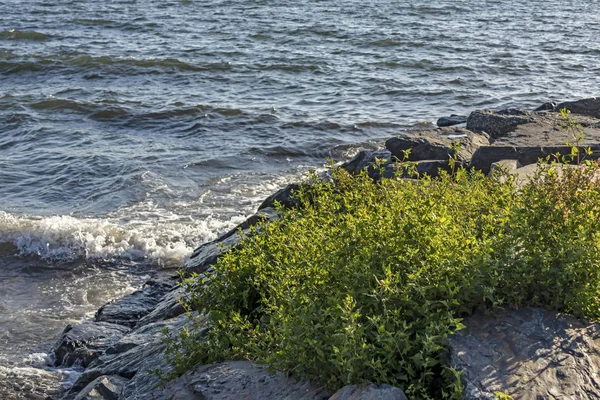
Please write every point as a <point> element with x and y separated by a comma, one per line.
<point>85,342</point>
<point>369,392</point>
<point>235,380</point>
<point>530,354</point>
<point>451,120</point>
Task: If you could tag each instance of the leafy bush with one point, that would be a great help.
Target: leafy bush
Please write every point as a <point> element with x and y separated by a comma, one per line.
<point>365,281</point>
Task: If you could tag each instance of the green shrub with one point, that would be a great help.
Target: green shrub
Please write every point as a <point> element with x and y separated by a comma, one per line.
<point>365,281</point>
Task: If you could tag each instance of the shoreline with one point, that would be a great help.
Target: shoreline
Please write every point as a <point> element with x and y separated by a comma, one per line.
<point>124,340</point>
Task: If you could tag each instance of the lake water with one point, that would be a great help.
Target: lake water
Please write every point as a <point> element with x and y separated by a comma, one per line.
<point>131,131</point>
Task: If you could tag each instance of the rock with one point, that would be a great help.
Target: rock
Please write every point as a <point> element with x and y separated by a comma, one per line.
<point>528,353</point>
<point>103,388</point>
<point>367,160</point>
<point>485,156</point>
<point>235,380</point>
<point>498,124</point>
<point>452,120</point>
<point>283,196</point>
<point>169,307</point>
<point>590,107</point>
<point>129,309</point>
<point>548,106</point>
<point>504,165</point>
<point>369,392</point>
<point>207,254</point>
<point>436,144</point>
<point>133,357</point>
<point>85,342</point>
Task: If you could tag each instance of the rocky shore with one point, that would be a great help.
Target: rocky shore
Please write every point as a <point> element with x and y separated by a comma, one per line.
<point>531,353</point>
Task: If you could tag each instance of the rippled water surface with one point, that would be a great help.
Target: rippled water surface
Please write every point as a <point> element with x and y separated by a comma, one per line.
<point>131,131</point>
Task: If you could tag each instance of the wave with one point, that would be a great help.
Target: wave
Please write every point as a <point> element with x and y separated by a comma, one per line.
<point>166,241</point>
<point>15,34</point>
<point>35,63</point>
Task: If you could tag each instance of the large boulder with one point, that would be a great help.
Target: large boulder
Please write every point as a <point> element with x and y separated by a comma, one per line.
<point>369,392</point>
<point>169,307</point>
<point>436,144</point>
<point>85,342</point>
<point>500,123</point>
<point>129,309</point>
<point>528,353</point>
<point>282,196</point>
<point>590,107</point>
<point>235,380</point>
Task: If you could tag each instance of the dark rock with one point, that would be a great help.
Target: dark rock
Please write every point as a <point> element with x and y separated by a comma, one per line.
<point>432,167</point>
<point>367,160</point>
<point>133,357</point>
<point>590,107</point>
<point>498,124</point>
<point>85,342</point>
<point>103,388</point>
<point>129,309</point>
<point>207,254</point>
<point>283,196</point>
<point>452,120</point>
<point>529,354</point>
<point>169,307</point>
<point>234,380</point>
<point>485,156</point>
<point>546,107</point>
<point>369,392</point>
<point>436,144</point>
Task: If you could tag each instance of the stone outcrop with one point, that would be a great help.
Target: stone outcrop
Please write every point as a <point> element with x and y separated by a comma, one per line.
<point>498,124</point>
<point>103,388</point>
<point>529,354</point>
<point>589,107</point>
<point>451,120</point>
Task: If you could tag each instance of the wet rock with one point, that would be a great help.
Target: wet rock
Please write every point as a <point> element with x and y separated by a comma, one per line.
<point>129,309</point>
<point>452,120</point>
<point>590,107</point>
<point>283,196</point>
<point>169,307</point>
<point>436,144</point>
<point>529,354</point>
<point>133,357</point>
<point>236,380</point>
<point>85,342</point>
<point>548,106</point>
<point>367,160</point>
<point>207,254</point>
<point>498,124</point>
<point>485,156</point>
<point>369,392</point>
<point>103,388</point>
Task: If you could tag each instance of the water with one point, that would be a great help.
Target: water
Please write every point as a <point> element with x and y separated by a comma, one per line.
<point>131,131</point>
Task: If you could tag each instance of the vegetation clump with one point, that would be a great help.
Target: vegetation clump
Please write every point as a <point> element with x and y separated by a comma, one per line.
<point>365,281</point>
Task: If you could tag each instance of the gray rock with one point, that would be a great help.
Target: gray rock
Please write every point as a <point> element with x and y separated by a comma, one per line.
<point>369,392</point>
<point>133,357</point>
<point>367,160</point>
<point>129,309</point>
<point>103,388</point>
<point>283,196</point>
<point>485,156</point>
<point>498,124</point>
<point>234,380</point>
<point>436,144</point>
<point>529,354</point>
<point>548,106</point>
<point>85,342</point>
<point>452,120</point>
<point>590,107</point>
<point>167,308</point>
